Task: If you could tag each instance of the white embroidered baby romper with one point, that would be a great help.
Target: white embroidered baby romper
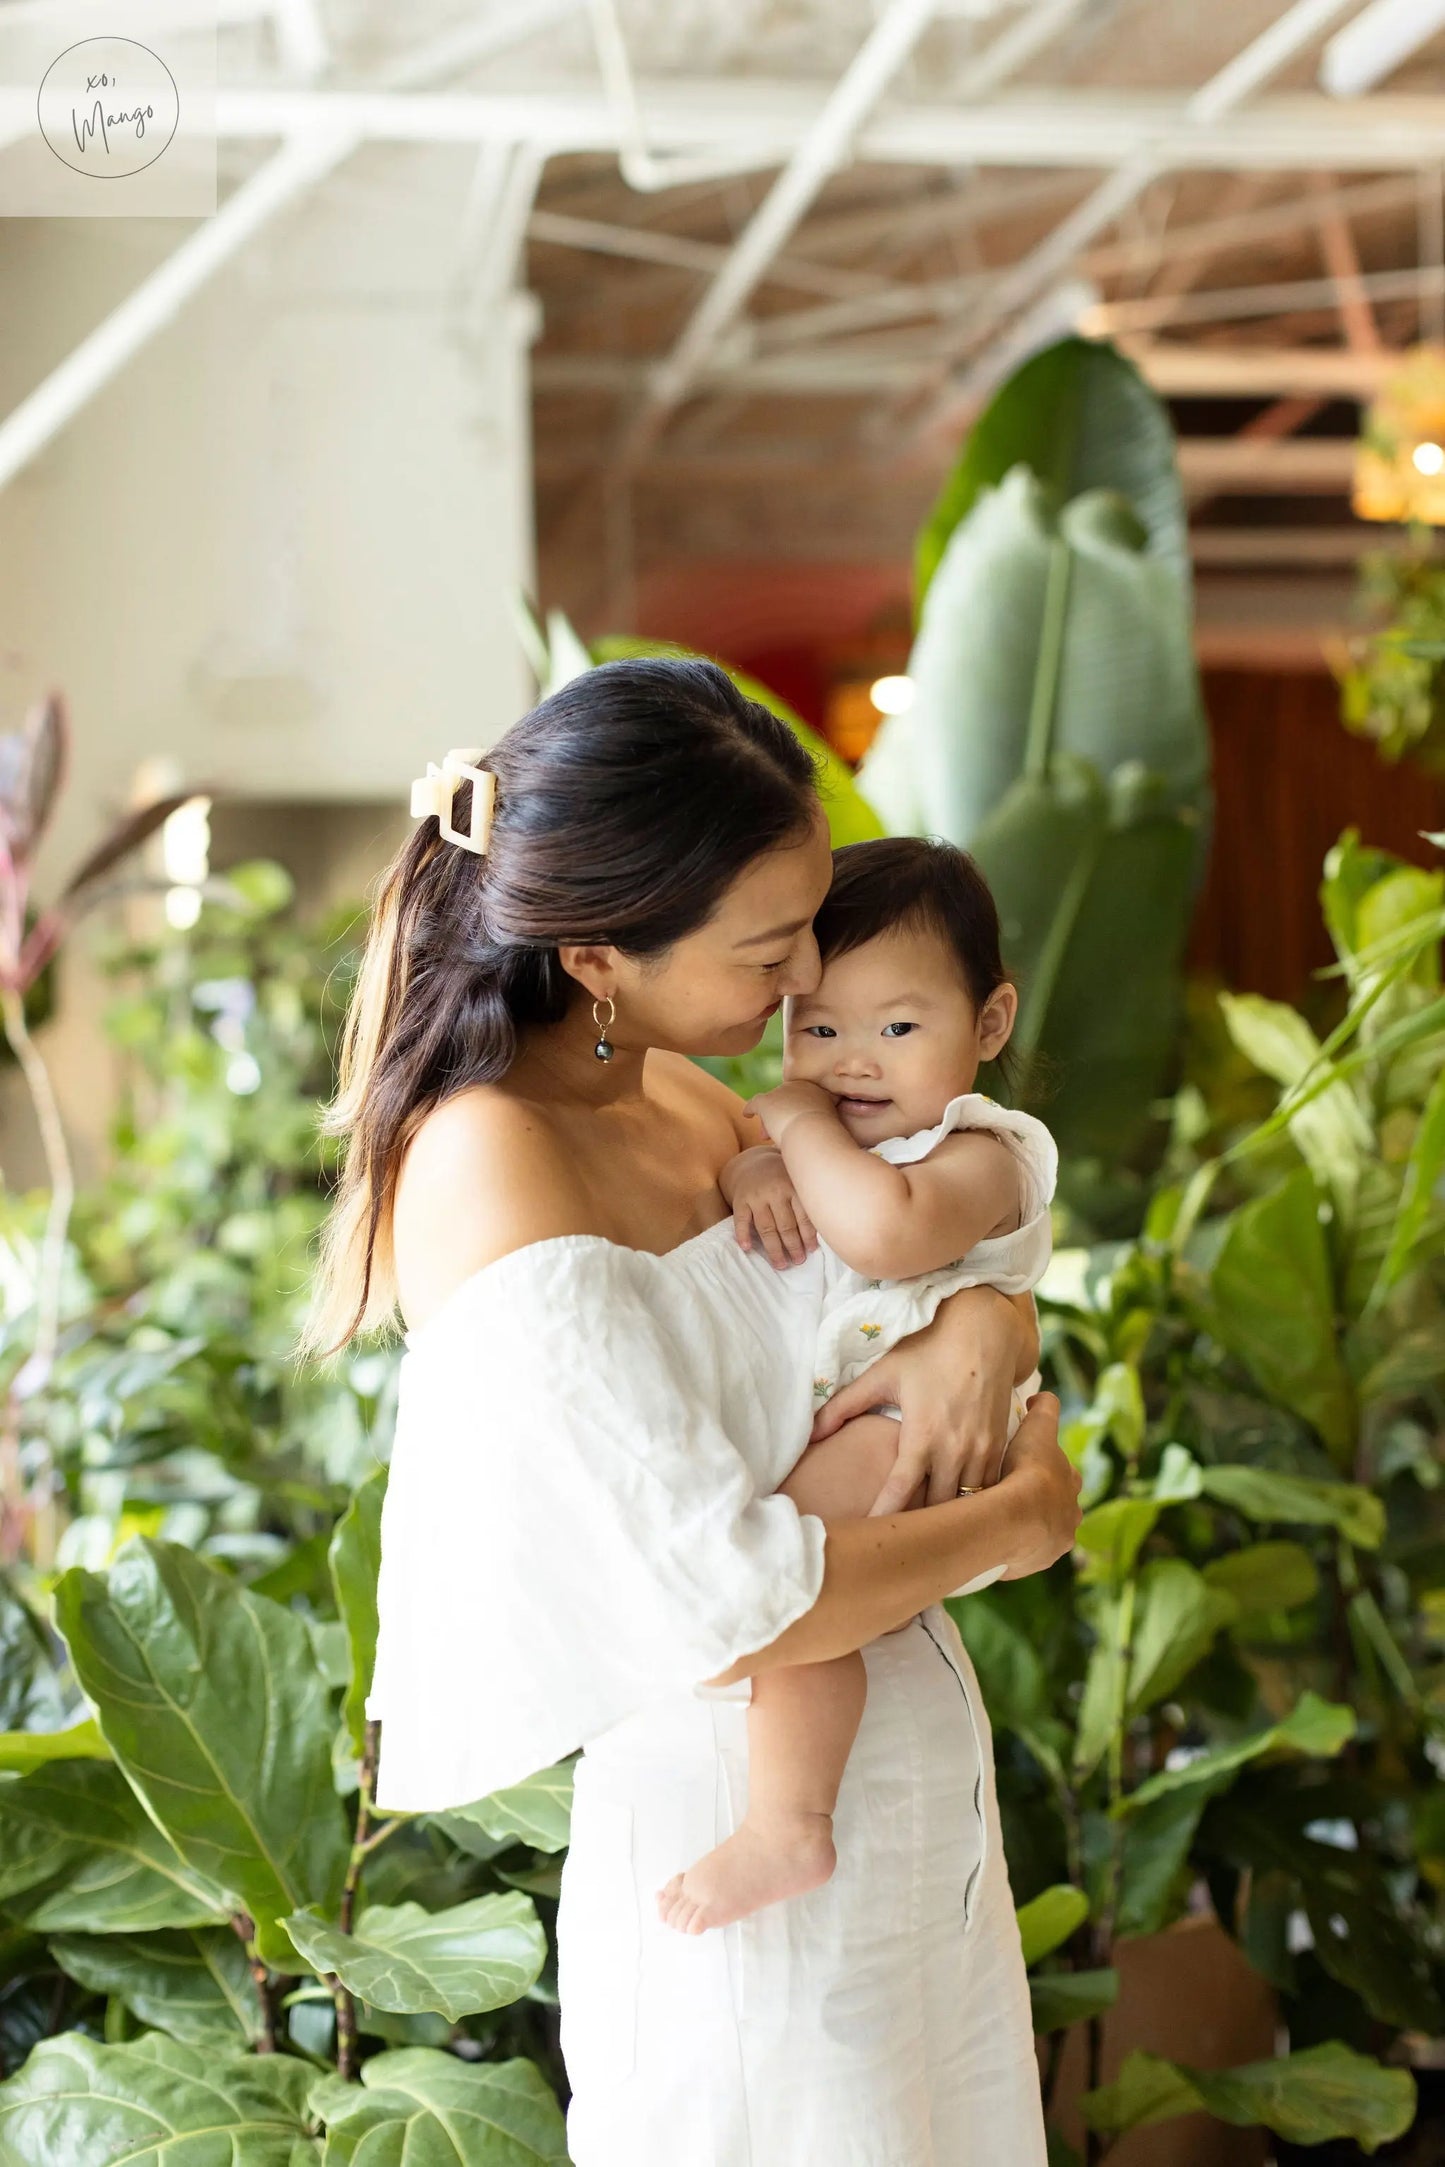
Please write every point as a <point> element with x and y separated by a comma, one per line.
<point>864,1318</point>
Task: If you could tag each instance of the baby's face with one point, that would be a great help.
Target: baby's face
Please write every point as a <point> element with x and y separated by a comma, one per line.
<point>892,1033</point>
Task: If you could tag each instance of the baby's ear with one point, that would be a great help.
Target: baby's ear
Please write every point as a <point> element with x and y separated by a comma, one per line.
<point>996,1020</point>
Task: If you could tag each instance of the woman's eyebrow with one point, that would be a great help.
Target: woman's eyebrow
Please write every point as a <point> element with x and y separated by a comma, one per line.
<point>774,933</point>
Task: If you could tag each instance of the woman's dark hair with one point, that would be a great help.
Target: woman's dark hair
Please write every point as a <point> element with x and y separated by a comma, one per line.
<point>915,881</point>
<point>627,803</point>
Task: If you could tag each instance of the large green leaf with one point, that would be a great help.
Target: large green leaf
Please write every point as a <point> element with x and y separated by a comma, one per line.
<point>417,2107</point>
<point>198,1987</point>
<point>211,1701</point>
<point>537,1811</point>
<point>851,819</point>
<point>1049,1918</point>
<point>1266,1577</point>
<point>1321,2092</point>
<point>355,1558</point>
<point>1315,1727</point>
<point>1057,734</point>
<point>155,2103</point>
<point>1154,1869</point>
<point>23,1750</point>
<point>1273,1304</point>
<point>1262,1493</point>
<point>478,1955</point>
<point>1082,417</point>
<point>1061,1998</point>
<point>1331,1131</point>
<point>79,1852</point>
<point>1176,1617</point>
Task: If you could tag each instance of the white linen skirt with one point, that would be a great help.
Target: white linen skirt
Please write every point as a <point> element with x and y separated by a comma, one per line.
<point>881,2020</point>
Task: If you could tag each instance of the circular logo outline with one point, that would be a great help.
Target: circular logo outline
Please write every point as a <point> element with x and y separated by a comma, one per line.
<point>91,173</point>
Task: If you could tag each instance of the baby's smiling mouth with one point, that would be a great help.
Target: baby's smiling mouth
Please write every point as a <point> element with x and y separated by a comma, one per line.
<point>860,1103</point>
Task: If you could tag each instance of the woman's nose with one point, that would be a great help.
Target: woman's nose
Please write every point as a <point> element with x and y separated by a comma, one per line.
<point>805,967</point>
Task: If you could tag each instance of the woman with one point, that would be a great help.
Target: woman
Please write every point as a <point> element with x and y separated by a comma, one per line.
<point>580,1543</point>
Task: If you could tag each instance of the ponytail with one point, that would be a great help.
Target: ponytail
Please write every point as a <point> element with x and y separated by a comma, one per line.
<point>627,803</point>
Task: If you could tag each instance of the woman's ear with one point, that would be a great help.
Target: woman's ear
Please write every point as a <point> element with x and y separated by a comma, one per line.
<point>594,968</point>
<point>996,1020</point>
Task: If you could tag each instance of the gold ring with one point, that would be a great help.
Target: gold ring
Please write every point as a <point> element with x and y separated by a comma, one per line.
<point>966,1489</point>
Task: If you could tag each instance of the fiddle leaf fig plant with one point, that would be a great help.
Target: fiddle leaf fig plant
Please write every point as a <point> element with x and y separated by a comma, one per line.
<point>1235,1700</point>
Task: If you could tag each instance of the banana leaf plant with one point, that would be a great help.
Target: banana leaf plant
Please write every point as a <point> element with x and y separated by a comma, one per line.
<point>1057,731</point>
<point>33,766</point>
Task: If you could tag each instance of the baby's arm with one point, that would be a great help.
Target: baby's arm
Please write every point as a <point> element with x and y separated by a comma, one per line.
<point>766,1211</point>
<point>891,1222</point>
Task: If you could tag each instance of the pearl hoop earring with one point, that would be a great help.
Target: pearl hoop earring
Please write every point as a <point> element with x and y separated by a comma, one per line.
<point>604,1049</point>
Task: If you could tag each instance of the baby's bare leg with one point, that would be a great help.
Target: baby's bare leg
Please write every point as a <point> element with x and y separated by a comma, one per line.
<point>802,1721</point>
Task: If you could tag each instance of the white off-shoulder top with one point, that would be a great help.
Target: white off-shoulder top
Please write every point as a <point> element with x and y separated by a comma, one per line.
<point>579,1517</point>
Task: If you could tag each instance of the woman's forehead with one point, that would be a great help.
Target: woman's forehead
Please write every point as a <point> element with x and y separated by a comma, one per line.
<point>781,889</point>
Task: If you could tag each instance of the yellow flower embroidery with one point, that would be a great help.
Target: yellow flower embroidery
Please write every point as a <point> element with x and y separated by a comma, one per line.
<point>870,1331</point>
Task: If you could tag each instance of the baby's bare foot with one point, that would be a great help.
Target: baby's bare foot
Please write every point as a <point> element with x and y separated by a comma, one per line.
<point>773,1855</point>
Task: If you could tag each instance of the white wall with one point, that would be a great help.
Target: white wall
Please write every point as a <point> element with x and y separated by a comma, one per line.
<point>279,546</point>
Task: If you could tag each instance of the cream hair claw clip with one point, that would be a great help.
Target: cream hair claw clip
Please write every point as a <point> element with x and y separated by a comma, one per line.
<point>434,792</point>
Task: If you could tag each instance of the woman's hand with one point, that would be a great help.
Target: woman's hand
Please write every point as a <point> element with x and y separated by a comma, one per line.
<point>1036,1459</point>
<point>953,1383</point>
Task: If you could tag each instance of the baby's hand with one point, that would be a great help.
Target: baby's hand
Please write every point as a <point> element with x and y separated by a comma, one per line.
<point>766,1210</point>
<point>778,1109</point>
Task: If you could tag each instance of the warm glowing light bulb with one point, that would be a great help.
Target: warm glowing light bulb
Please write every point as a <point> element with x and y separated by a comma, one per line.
<point>892,695</point>
<point>1428,458</point>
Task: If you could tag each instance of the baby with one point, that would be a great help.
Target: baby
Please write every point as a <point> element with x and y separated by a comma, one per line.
<point>917,1185</point>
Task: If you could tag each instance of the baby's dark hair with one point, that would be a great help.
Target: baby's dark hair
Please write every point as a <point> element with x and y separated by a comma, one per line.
<point>914,881</point>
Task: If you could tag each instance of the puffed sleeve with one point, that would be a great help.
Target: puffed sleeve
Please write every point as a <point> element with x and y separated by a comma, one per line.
<point>568,1531</point>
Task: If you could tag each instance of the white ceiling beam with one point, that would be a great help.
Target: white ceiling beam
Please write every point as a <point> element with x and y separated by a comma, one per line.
<point>1260,372</point>
<point>1225,304</point>
<point>1016,287</point>
<point>288,174</point>
<point>827,145</point>
<point>483,36</point>
<point>1376,42</point>
<point>898,302</point>
<point>1294,132</point>
<point>639,163</point>
<point>645,244</point>
<point>1060,129</point>
<point>1175,371</point>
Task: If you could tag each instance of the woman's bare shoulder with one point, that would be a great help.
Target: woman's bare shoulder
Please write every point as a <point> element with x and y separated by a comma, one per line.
<point>485,1173</point>
<point>686,1083</point>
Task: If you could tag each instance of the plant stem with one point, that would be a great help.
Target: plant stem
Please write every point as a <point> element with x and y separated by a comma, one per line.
<point>268,1986</point>
<point>35,1372</point>
<point>363,1843</point>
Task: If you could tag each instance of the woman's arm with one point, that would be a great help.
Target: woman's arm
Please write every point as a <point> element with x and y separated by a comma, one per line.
<point>879,1572</point>
<point>953,1382</point>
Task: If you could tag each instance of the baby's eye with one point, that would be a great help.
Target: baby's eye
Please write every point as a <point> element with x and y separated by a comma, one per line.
<point>819,1030</point>
<point>897,1030</point>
